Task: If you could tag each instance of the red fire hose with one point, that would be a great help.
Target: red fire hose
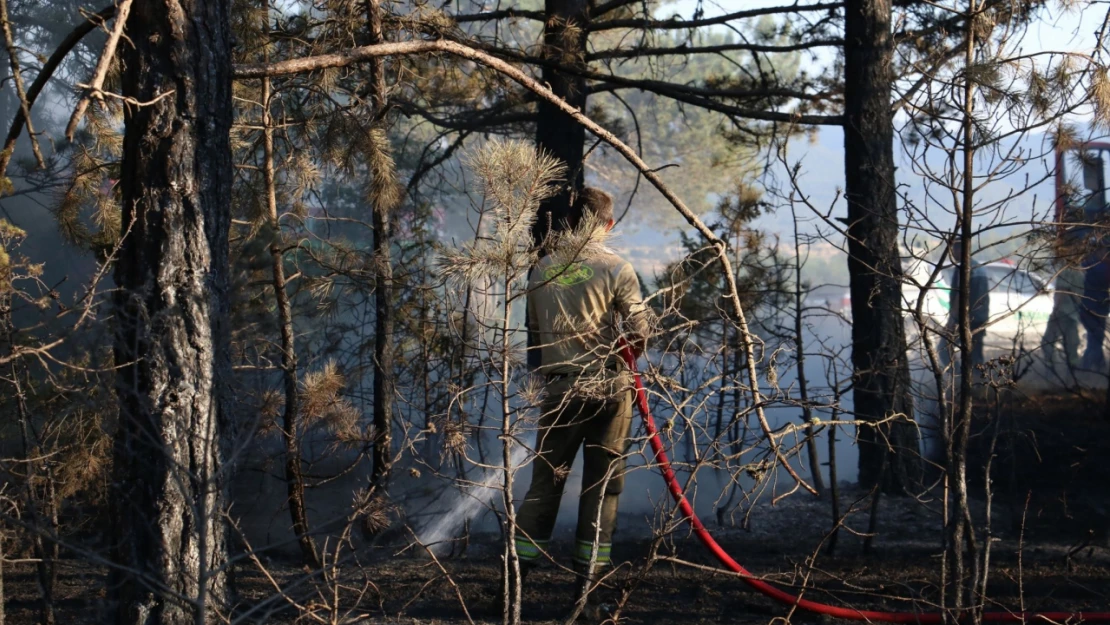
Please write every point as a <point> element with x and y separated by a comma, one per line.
<point>784,597</point>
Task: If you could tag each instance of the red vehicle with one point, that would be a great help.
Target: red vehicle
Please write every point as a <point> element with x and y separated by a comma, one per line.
<point>1081,215</point>
<point>1081,184</point>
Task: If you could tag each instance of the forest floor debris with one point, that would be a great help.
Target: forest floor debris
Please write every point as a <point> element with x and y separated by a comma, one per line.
<point>1049,551</point>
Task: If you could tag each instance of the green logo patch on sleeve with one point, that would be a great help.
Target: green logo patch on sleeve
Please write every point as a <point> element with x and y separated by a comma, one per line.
<point>569,274</point>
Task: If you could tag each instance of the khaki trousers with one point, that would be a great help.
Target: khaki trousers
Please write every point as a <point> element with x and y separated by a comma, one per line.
<point>568,422</point>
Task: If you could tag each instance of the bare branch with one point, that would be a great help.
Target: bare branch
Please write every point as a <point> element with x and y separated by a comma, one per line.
<point>63,49</point>
<point>100,94</point>
<point>102,65</point>
<point>489,16</point>
<point>630,53</point>
<point>676,23</point>
<point>17,76</point>
<point>364,53</point>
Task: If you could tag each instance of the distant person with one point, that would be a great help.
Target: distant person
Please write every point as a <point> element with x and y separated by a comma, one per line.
<point>577,309</point>
<point>1095,306</point>
<point>979,312</point>
<point>1063,323</point>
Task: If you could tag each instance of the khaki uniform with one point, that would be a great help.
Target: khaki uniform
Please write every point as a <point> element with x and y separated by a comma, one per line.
<point>576,310</point>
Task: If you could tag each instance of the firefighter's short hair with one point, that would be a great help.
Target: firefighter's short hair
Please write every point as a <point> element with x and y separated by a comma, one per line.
<point>593,201</point>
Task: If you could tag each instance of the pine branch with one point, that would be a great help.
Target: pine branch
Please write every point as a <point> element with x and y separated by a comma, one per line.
<point>489,16</point>
<point>468,120</point>
<point>611,6</point>
<point>671,90</point>
<point>427,166</point>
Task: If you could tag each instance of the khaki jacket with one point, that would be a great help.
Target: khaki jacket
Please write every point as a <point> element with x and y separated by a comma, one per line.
<point>578,311</point>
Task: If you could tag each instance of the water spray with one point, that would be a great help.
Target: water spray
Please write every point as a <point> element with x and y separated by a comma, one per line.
<point>467,505</point>
<point>781,596</point>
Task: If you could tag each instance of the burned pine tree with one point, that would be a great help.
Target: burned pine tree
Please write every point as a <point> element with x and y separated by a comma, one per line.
<point>557,134</point>
<point>564,44</point>
<point>888,452</point>
<point>171,312</point>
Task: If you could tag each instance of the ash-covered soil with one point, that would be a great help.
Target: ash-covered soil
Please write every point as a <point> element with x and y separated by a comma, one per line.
<point>386,589</point>
<point>1047,541</point>
<point>400,584</point>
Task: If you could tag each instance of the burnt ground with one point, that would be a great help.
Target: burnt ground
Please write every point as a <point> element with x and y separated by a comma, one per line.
<point>411,590</point>
<point>1051,494</point>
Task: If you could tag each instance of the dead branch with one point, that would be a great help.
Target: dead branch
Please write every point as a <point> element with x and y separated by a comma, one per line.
<point>458,593</point>
<point>17,77</point>
<point>674,23</point>
<point>101,94</point>
<point>490,16</point>
<point>682,50</point>
<point>355,55</point>
<point>94,91</point>
<point>47,71</point>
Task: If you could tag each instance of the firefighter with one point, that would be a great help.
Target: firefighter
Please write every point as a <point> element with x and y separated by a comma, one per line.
<point>1063,323</point>
<point>579,309</point>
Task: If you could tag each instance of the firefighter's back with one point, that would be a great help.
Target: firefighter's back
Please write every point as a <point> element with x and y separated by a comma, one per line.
<point>575,308</point>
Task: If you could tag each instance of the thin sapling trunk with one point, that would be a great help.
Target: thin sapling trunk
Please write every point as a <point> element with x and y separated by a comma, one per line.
<point>294,477</point>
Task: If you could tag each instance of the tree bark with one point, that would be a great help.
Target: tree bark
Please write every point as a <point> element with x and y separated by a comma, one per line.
<point>171,345</point>
<point>879,361</point>
<point>564,40</point>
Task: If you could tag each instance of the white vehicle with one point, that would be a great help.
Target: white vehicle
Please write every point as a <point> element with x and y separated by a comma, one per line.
<point>920,285</point>
<point>1019,307</point>
<point>1020,304</point>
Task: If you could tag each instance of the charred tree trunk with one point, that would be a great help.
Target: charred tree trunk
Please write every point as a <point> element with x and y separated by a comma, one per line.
<point>291,430</point>
<point>171,345</point>
<point>564,41</point>
<point>881,368</point>
<point>384,382</point>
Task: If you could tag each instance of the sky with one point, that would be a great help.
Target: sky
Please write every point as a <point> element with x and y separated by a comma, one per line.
<point>821,156</point>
